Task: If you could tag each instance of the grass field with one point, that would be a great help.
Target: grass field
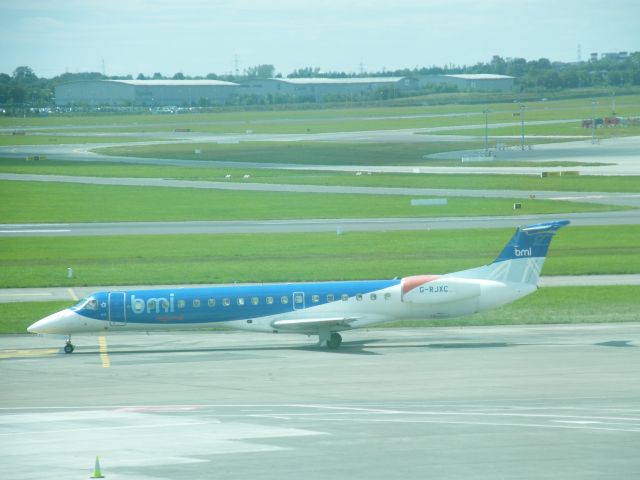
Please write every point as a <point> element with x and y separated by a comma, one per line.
<point>318,153</point>
<point>66,139</point>
<point>316,177</point>
<point>27,202</point>
<point>162,259</point>
<point>338,119</point>
<point>547,305</point>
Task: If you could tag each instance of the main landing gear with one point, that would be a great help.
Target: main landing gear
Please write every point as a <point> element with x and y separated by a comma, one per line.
<point>331,340</point>
<point>334,341</point>
<point>68,346</point>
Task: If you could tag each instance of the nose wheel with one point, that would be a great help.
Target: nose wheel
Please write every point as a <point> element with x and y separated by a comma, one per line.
<point>68,347</point>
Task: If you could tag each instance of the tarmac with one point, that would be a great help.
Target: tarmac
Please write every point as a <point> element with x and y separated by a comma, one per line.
<point>526,402</point>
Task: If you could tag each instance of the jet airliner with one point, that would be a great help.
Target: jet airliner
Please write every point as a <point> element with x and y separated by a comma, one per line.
<point>319,308</point>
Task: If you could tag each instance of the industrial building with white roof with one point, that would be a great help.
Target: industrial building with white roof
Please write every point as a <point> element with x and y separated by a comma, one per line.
<point>216,92</point>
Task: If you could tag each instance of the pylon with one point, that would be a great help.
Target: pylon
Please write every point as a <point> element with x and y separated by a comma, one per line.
<point>96,472</point>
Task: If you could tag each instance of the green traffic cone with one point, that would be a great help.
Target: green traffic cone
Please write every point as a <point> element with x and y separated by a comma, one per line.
<point>96,472</point>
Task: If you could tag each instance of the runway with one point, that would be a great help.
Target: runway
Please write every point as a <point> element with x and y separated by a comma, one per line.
<point>342,226</point>
<point>484,403</point>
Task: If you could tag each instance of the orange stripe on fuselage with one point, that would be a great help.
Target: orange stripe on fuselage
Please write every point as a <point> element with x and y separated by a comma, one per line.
<point>409,283</point>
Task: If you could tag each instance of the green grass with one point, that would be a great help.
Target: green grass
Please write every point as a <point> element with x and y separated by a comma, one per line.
<point>315,177</point>
<point>180,259</point>
<point>16,317</point>
<point>66,139</point>
<point>546,306</point>
<point>322,153</point>
<point>303,153</point>
<point>318,120</point>
<point>27,202</point>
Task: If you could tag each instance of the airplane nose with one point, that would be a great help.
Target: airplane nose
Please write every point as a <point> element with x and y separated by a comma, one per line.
<point>51,324</point>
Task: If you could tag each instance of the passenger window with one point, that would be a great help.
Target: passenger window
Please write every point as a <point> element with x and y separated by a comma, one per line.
<point>269,300</point>
<point>181,303</point>
<point>373,296</point>
<point>359,297</point>
<point>151,305</point>
<point>255,300</point>
<point>240,301</point>
<point>226,302</point>
<point>387,296</point>
<point>344,297</point>
<point>196,303</point>
<point>284,300</point>
<point>211,302</point>
<point>330,297</point>
<point>315,298</point>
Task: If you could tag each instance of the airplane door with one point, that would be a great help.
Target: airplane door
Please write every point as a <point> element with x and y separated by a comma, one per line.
<point>117,314</point>
<point>298,300</point>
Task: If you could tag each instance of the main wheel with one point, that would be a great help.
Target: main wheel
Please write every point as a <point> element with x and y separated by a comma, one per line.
<point>334,341</point>
<point>68,348</point>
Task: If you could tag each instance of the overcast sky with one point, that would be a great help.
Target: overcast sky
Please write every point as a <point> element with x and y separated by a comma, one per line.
<point>197,37</point>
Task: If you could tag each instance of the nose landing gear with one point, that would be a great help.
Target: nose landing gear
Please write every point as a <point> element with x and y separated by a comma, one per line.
<point>68,347</point>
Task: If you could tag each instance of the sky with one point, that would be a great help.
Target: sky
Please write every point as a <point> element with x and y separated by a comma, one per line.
<point>197,37</point>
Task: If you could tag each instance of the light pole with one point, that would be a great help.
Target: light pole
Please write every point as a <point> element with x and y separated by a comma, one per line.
<point>613,103</point>
<point>522,107</point>
<point>593,121</point>
<point>486,132</point>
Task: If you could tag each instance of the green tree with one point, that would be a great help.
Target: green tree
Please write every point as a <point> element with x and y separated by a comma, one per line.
<point>24,75</point>
<point>261,71</point>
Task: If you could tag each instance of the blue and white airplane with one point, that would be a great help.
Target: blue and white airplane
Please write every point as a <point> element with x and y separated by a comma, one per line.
<point>321,308</point>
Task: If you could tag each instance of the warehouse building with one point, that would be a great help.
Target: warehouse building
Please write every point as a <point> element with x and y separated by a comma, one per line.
<point>145,92</point>
<point>466,82</point>
<point>187,93</point>
<point>328,89</point>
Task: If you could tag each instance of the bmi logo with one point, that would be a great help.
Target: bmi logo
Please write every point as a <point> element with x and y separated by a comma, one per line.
<point>152,305</point>
<point>524,252</point>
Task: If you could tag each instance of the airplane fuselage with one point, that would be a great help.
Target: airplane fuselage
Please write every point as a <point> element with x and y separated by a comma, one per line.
<point>319,308</point>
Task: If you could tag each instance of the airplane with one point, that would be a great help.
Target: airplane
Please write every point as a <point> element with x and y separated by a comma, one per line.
<point>319,308</point>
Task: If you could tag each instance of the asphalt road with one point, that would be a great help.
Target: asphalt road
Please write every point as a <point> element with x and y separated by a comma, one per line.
<point>449,403</point>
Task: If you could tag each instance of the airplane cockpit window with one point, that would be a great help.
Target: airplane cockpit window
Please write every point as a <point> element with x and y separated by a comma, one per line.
<point>89,303</point>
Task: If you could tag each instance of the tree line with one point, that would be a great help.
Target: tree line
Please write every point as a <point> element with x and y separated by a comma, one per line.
<point>23,89</point>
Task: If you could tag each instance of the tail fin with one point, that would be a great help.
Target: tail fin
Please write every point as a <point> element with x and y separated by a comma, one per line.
<point>522,258</point>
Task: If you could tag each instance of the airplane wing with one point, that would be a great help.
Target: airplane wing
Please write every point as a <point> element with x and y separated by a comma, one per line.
<point>310,323</point>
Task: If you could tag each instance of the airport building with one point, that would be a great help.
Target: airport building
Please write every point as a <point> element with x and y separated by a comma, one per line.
<point>187,93</point>
<point>328,89</point>
<point>466,82</point>
<point>145,92</point>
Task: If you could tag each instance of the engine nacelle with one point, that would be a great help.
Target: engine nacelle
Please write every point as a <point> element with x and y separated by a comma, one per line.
<point>432,289</point>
